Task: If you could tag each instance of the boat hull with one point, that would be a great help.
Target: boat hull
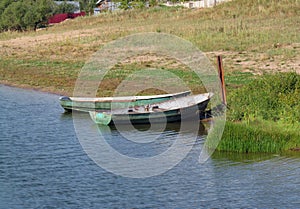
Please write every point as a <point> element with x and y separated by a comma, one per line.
<point>168,116</point>
<point>156,116</point>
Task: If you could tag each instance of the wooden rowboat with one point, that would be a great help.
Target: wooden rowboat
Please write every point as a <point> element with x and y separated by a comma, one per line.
<point>86,104</point>
<point>171,110</point>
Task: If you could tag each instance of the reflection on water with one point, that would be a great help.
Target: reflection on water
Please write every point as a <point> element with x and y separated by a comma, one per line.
<point>145,136</point>
<point>42,165</point>
<point>242,158</point>
<point>174,127</point>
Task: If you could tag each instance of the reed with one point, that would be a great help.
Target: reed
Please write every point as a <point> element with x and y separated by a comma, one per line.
<point>259,137</point>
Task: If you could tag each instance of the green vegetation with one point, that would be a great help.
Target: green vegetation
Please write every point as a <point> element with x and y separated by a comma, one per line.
<point>25,14</point>
<point>237,79</point>
<point>259,136</point>
<point>264,115</point>
<point>273,97</point>
<point>118,73</point>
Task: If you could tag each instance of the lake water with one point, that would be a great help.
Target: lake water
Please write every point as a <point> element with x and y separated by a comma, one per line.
<point>43,165</point>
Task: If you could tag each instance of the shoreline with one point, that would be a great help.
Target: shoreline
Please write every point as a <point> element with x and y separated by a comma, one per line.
<point>291,150</point>
<point>38,89</point>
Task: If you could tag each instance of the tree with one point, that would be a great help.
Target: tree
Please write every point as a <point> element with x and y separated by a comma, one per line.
<point>4,4</point>
<point>38,13</point>
<point>31,19</point>
<point>13,15</point>
<point>88,6</point>
<point>24,14</point>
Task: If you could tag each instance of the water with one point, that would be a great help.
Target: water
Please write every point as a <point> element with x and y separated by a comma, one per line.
<point>42,165</point>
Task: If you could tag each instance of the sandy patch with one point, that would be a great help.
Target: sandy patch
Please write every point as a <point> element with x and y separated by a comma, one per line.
<point>260,62</point>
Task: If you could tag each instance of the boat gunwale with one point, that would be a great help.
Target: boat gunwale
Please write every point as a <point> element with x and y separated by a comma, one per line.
<point>123,98</point>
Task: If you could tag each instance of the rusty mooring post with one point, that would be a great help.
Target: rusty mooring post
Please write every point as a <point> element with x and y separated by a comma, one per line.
<point>221,76</point>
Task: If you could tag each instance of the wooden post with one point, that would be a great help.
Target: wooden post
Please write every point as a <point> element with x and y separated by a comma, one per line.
<point>221,76</point>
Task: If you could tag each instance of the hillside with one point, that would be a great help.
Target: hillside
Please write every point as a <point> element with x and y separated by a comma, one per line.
<point>254,37</point>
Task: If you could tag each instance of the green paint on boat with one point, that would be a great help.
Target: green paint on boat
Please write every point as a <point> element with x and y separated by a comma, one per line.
<point>103,118</point>
<point>107,103</point>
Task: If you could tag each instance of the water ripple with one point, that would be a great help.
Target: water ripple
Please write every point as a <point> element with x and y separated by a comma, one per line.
<point>42,165</point>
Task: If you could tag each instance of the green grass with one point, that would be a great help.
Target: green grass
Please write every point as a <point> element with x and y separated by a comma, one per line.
<point>158,73</point>
<point>263,115</point>
<point>272,97</point>
<point>259,137</point>
<point>37,74</point>
<point>239,78</point>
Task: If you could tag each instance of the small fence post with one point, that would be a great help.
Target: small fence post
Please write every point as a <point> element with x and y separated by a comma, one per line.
<point>221,76</point>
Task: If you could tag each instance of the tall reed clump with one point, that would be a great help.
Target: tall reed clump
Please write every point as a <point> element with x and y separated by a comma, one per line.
<point>264,116</point>
<point>258,136</point>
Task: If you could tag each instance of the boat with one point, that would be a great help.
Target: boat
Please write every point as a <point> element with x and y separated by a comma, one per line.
<point>169,111</point>
<point>86,104</point>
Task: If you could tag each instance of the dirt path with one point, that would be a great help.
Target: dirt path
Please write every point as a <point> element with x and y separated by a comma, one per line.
<point>259,63</point>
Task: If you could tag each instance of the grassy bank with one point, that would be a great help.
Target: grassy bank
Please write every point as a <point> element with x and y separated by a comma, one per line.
<point>263,116</point>
<point>260,136</point>
<point>253,37</point>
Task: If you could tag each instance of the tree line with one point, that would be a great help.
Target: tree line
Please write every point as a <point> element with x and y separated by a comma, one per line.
<point>22,15</point>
